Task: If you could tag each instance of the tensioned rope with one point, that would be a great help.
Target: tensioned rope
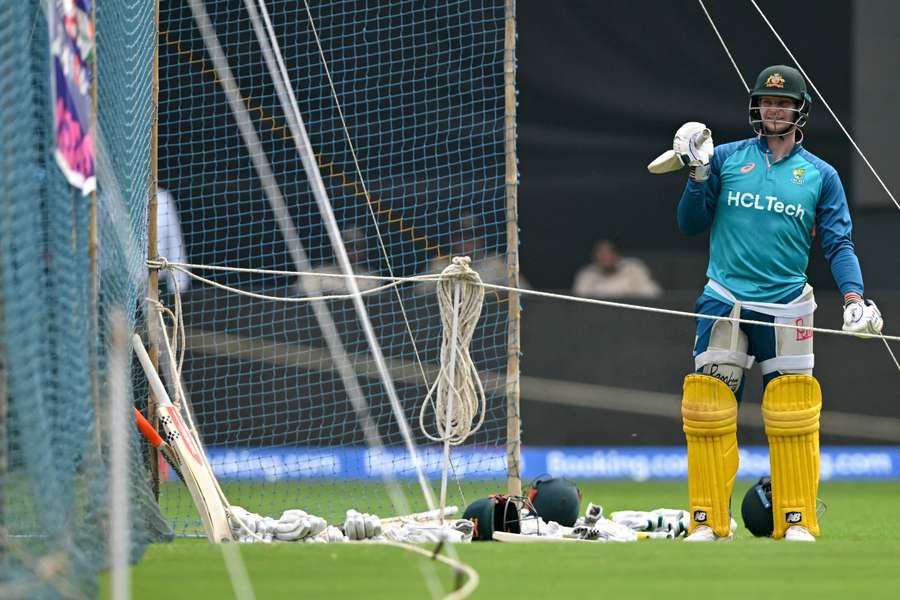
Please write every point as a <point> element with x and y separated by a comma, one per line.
<point>186,268</point>
<point>825,102</point>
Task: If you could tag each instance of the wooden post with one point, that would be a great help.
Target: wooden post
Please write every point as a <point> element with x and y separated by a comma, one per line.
<point>4,444</point>
<point>94,306</point>
<point>153,279</point>
<point>513,415</point>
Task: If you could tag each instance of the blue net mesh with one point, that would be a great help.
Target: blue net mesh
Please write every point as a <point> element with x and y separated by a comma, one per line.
<point>53,500</point>
<point>422,90</point>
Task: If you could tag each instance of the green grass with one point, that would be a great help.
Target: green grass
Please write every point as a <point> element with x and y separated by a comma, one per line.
<point>856,555</point>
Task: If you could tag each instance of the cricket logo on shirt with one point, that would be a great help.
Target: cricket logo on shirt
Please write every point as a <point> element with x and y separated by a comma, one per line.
<point>798,173</point>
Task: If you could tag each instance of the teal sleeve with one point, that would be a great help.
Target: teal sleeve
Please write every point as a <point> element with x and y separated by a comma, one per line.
<point>834,228</point>
<point>697,206</point>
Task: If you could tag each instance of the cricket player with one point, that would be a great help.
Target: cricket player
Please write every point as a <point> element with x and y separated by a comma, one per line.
<point>763,199</point>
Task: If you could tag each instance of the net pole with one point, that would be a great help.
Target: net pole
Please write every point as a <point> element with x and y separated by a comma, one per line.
<point>117,421</point>
<point>94,286</point>
<point>153,276</point>
<point>513,420</point>
<point>4,458</point>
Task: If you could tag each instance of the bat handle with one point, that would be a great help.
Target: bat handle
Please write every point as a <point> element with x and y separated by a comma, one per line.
<point>704,135</point>
<point>147,430</point>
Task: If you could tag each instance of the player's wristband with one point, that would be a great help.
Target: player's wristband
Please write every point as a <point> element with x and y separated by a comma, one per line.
<point>852,297</point>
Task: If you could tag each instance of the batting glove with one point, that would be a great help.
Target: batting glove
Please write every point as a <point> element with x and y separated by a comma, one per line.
<point>862,316</point>
<point>361,526</point>
<point>693,143</point>
<point>296,525</point>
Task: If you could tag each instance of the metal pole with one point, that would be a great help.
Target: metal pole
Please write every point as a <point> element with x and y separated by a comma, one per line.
<point>513,418</point>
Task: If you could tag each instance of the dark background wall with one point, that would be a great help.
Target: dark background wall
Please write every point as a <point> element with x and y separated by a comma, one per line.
<point>604,85</point>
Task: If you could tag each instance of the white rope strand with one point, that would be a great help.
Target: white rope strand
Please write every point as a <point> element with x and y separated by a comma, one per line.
<point>825,102</point>
<point>724,47</point>
<point>365,189</point>
<point>471,574</point>
<point>525,292</point>
<point>890,351</point>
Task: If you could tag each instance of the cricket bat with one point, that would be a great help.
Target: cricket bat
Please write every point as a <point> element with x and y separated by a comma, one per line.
<point>422,517</point>
<point>155,440</point>
<point>518,538</point>
<point>195,470</point>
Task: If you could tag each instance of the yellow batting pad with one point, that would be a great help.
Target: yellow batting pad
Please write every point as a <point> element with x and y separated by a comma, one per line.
<point>709,410</point>
<point>791,408</point>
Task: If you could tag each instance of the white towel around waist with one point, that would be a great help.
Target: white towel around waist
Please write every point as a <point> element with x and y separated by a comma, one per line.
<point>773,309</point>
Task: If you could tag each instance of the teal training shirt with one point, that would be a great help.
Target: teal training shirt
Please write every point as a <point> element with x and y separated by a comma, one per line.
<point>763,216</point>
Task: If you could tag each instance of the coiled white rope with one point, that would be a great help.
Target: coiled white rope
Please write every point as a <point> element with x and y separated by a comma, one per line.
<point>457,395</point>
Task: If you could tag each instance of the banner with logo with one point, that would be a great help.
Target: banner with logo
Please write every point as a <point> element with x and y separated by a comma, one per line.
<point>578,463</point>
<point>72,60</point>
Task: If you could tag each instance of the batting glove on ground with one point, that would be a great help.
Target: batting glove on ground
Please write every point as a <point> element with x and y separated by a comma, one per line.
<point>296,525</point>
<point>361,526</point>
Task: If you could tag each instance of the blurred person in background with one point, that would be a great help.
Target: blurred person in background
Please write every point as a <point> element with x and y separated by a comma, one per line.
<point>611,276</point>
<point>169,241</point>
<point>357,247</point>
<point>468,239</point>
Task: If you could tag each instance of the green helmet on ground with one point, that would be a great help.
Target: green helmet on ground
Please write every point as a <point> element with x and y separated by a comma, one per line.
<point>756,508</point>
<point>556,499</point>
<point>780,81</point>
<point>494,513</point>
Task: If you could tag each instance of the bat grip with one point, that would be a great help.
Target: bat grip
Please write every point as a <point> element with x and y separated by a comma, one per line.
<point>704,135</point>
<point>147,430</point>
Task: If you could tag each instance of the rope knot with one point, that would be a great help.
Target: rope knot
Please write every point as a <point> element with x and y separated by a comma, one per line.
<point>460,270</point>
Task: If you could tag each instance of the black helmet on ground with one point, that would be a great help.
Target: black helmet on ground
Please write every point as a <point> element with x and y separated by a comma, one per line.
<point>756,508</point>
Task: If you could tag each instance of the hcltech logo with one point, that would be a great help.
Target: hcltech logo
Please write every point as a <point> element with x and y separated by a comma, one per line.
<point>767,203</point>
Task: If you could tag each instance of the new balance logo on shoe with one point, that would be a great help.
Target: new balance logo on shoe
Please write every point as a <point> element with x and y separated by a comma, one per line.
<point>793,517</point>
<point>700,516</point>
